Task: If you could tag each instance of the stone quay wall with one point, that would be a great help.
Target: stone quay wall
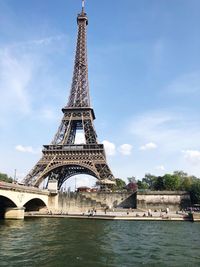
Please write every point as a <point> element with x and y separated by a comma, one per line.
<point>174,200</point>
<point>114,200</point>
<point>154,200</point>
<point>82,202</point>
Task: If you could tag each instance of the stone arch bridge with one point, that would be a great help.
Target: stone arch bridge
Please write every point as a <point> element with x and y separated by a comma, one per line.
<point>16,199</point>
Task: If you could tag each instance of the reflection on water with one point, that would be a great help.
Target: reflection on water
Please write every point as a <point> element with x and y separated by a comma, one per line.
<point>11,224</point>
<point>72,242</point>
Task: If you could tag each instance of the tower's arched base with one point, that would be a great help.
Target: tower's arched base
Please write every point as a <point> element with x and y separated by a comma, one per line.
<point>62,168</point>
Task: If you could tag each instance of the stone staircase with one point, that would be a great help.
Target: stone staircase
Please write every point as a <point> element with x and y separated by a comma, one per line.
<point>93,203</point>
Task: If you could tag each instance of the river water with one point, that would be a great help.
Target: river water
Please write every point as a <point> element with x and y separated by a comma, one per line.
<point>74,242</point>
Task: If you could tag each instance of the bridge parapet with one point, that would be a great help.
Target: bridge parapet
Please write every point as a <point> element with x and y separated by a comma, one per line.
<point>23,188</point>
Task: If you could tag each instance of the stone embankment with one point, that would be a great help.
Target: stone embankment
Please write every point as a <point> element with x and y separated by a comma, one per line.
<point>154,200</point>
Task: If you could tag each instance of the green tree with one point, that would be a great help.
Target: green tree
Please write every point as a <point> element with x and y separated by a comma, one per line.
<point>179,180</point>
<point>171,182</point>
<point>159,183</point>
<point>195,192</point>
<point>150,180</point>
<point>186,180</point>
<point>120,184</point>
<point>142,185</point>
<point>4,177</point>
<point>186,183</point>
<point>181,174</point>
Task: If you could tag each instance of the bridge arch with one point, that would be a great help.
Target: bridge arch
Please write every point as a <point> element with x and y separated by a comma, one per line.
<point>35,204</point>
<point>11,198</point>
<point>35,198</point>
<point>5,203</point>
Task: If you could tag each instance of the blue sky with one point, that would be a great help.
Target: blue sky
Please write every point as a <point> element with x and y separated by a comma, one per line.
<point>144,73</point>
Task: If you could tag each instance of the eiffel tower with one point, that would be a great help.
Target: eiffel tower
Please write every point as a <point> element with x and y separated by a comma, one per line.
<point>63,158</point>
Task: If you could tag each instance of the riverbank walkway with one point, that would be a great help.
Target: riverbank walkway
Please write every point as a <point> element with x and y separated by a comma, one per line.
<point>115,215</point>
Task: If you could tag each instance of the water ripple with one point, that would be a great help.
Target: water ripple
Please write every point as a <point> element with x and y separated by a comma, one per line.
<point>72,242</point>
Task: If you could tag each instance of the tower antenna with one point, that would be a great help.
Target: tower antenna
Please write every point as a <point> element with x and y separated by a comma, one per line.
<point>83,5</point>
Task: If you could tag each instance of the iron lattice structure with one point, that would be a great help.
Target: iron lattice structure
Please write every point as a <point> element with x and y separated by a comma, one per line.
<point>63,158</point>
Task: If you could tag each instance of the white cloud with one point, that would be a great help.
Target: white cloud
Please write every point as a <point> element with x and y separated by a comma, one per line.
<point>160,168</point>
<point>109,147</point>
<point>193,156</point>
<point>24,71</point>
<point>27,149</point>
<point>15,76</point>
<point>147,125</point>
<point>39,42</point>
<point>46,40</point>
<point>125,149</point>
<point>148,146</point>
<point>187,83</point>
<point>172,132</point>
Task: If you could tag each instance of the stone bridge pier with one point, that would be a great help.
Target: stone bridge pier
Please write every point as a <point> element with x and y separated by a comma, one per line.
<point>14,213</point>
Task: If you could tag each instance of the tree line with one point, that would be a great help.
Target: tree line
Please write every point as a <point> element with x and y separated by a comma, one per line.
<point>178,181</point>
<point>5,178</point>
